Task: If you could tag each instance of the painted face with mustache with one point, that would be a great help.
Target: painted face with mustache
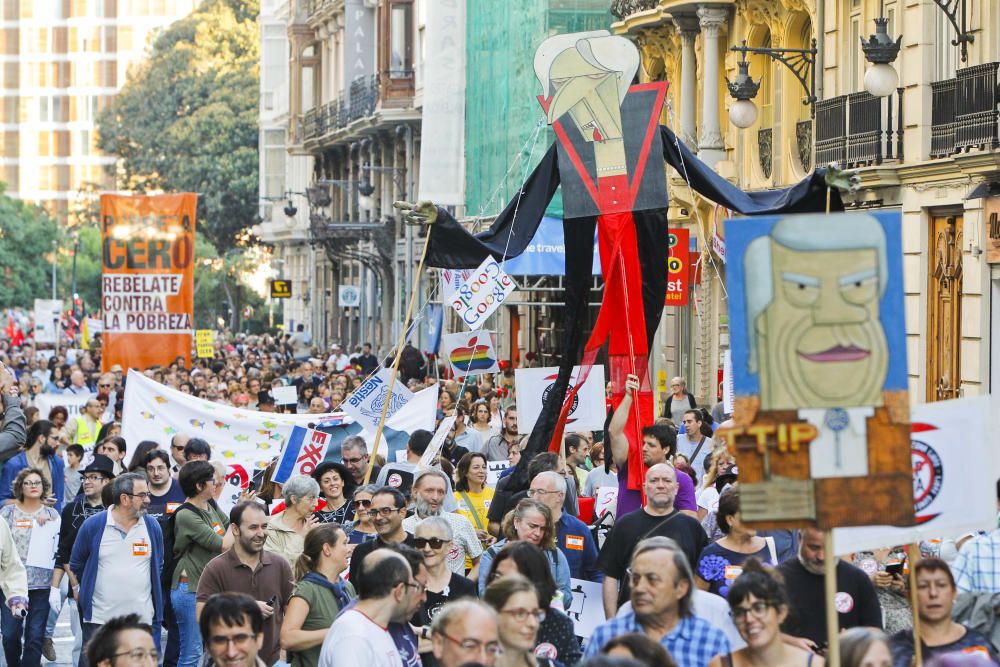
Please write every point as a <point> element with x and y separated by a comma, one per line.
<point>820,340</point>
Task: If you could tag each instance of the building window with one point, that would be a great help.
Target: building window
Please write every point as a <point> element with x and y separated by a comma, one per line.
<point>274,163</point>
<point>401,40</point>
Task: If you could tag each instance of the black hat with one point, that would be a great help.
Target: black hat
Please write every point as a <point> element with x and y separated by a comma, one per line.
<point>341,469</point>
<point>264,398</point>
<point>103,465</point>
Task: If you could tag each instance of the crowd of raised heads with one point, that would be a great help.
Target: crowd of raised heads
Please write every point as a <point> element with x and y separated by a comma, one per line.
<point>617,551</point>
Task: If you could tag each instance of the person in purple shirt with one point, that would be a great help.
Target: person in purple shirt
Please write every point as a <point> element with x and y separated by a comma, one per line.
<point>659,444</point>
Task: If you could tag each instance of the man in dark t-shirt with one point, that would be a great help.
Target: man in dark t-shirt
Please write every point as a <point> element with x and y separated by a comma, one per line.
<point>165,493</point>
<point>658,517</point>
<point>856,601</point>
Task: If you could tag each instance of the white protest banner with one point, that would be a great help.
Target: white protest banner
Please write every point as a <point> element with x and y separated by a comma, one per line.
<point>534,384</point>
<point>72,402</point>
<point>247,440</point>
<point>727,382</point>
<point>285,395</point>
<point>427,458</point>
<point>470,353</point>
<point>954,478</point>
<point>47,318</point>
<point>587,609</point>
<point>483,292</point>
<point>606,500</point>
<point>367,401</point>
<point>303,451</point>
<point>493,470</point>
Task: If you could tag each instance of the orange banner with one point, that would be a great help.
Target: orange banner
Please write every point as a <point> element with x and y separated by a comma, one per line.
<point>147,282</point>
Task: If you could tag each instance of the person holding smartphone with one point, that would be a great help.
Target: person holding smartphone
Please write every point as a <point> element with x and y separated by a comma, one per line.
<point>885,569</point>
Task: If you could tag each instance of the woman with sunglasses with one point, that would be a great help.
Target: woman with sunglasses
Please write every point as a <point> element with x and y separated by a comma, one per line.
<point>556,634</point>
<point>336,485</point>
<point>515,600</point>
<point>432,538</point>
<point>758,604</point>
<point>363,529</point>
<point>319,595</point>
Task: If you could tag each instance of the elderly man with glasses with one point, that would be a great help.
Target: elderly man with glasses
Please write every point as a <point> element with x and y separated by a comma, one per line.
<point>116,561</point>
<point>465,632</point>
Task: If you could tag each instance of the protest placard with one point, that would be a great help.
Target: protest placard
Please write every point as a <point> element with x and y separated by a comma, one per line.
<point>482,293</point>
<point>368,400</point>
<point>493,470</point>
<point>534,384</point>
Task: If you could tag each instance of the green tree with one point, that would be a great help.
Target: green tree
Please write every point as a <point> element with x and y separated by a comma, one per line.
<point>26,235</point>
<point>186,119</point>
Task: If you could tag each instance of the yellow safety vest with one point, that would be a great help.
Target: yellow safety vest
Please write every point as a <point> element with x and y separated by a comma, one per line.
<point>84,434</point>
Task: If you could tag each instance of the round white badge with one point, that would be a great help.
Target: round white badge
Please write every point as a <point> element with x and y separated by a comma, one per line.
<point>394,480</point>
<point>843,602</point>
<point>546,650</point>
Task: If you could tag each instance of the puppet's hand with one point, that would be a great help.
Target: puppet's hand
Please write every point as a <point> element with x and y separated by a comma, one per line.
<point>842,179</point>
<point>421,213</point>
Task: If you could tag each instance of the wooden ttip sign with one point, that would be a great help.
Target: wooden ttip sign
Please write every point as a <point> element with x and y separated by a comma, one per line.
<point>147,280</point>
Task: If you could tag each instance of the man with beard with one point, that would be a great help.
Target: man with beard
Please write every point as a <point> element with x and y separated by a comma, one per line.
<point>658,517</point>
<point>116,561</point>
<point>39,453</point>
<point>429,491</point>
<point>95,478</point>
<point>662,588</point>
<point>856,600</point>
<point>165,494</point>
<point>247,568</point>
<point>387,511</point>
<point>497,447</point>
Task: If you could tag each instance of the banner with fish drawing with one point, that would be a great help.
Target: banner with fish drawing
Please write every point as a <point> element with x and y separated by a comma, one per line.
<point>247,440</point>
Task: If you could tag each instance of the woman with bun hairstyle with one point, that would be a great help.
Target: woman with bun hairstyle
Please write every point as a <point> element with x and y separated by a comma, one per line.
<point>758,604</point>
<point>319,595</point>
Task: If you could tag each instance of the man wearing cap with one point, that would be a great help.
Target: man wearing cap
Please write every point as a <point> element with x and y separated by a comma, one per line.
<point>95,478</point>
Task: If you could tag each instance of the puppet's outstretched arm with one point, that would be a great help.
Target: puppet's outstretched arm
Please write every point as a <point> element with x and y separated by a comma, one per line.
<point>452,246</point>
<point>806,196</point>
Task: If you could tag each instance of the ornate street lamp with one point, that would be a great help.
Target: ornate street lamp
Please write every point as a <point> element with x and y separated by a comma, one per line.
<point>801,62</point>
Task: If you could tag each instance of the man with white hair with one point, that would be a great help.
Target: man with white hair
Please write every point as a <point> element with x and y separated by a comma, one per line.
<point>573,537</point>
<point>429,490</point>
<point>607,161</point>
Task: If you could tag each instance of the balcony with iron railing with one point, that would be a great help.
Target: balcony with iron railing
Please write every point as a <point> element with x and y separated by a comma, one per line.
<point>359,101</point>
<point>964,111</point>
<point>859,130</point>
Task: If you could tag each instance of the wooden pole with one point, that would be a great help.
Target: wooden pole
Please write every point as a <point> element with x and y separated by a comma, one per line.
<point>830,594</point>
<point>395,362</point>
<point>913,555</point>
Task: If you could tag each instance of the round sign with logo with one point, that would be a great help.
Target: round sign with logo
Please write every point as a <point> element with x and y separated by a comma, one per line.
<point>350,296</point>
<point>928,474</point>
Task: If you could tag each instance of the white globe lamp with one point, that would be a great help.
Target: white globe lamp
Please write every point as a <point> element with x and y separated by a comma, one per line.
<point>743,113</point>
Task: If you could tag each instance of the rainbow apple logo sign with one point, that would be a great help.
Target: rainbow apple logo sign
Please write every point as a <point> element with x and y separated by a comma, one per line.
<point>471,353</point>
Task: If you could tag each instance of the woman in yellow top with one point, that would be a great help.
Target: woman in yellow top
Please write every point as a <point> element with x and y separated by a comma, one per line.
<point>473,496</point>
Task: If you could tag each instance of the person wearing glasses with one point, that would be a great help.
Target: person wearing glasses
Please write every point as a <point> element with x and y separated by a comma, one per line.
<point>531,521</point>
<point>95,477</point>
<point>387,512</point>
<point>177,444</point>
<point>28,513</point>
<point>465,632</point>
<point>232,625</point>
<point>661,589</point>
<point>758,604</point>
<point>362,529</point>
<point>39,453</point>
<point>515,600</point>
<point>386,592</point>
<point>354,453</point>
<point>433,538</point>
<point>124,641</point>
<point>319,595</point>
<point>287,530</point>
<point>248,568</point>
<point>200,534</point>
<point>556,635</point>
<point>116,561</point>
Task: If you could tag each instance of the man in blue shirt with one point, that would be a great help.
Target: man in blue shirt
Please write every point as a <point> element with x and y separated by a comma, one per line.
<point>662,588</point>
<point>573,537</point>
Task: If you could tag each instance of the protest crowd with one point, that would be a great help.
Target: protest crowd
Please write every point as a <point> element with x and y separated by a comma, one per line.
<point>366,561</point>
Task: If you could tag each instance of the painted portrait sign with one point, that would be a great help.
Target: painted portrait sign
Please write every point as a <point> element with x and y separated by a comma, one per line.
<point>819,368</point>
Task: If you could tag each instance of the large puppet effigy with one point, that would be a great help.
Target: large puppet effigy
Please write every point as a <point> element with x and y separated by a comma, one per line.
<point>609,158</point>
